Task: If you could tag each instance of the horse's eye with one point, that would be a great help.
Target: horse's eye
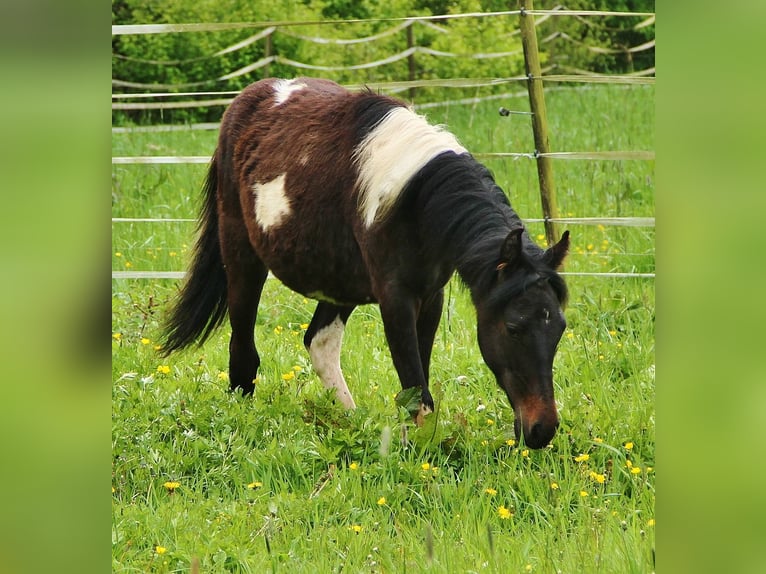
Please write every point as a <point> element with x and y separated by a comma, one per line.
<point>513,328</point>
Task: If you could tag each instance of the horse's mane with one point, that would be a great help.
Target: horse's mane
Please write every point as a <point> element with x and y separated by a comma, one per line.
<point>464,213</point>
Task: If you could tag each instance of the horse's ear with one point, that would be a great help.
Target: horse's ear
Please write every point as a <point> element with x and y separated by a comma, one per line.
<point>511,250</point>
<point>554,256</point>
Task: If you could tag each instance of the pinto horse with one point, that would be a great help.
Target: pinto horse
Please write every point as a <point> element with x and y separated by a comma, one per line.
<point>352,198</point>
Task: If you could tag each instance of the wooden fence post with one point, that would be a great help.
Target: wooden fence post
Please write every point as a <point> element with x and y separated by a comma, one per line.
<point>539,119</point>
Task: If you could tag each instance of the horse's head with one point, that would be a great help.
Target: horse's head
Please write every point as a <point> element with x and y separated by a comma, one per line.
<point>520,323</point>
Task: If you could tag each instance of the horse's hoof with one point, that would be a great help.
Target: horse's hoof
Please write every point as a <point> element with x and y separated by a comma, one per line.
<point>421,414</point>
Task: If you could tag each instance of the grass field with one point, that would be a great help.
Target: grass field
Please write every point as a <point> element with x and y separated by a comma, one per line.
<point>289,482</point>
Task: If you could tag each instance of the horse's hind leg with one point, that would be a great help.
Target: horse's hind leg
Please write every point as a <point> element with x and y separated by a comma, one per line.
<point>246,275</point>
<point>323,340</point>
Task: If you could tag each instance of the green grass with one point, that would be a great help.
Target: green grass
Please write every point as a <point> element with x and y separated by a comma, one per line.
<point>289,482</point>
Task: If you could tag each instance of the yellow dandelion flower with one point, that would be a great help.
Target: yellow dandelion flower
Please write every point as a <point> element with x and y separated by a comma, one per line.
<point>650,522</point>
<point>490,422</point>
<point>304,326</point>
<point>254,485</point>
<point>171,485</point>
<point>635,470</point>
<point>600,478</point>
<point>589,247</point>
<point>172,253</point>
<point>425,466</point>
<point>504,513</point>
<point>163,370</point>
<point>157,347</point>
<point>118,254</point>
<point>583,493</point>
<point>223,376</point>
<point>598,440</point>
<point>128,264</point>
<point>485,442</point>
<point>160,549</point>
<point>600,227</point>
<point>528,568</point>
<point>356,528</point>
<point>278,329</point>
<point>145,341</point>
<point>649,469</point>
<point>628,463</point>
<point>582,458</point>
<point>353,466</point>
<point>525,453</point>
<point>382,501</point>
<point>570,335</point>
<point>116,336</point>
<point>297,368</point>
<point>628,446</point>
<point>540,237</point>
<point>113,490</point>
<point>612,332</point>
<point>510,442</point>
<point>554,485</point>
<point>490,491</point>
<point>288,376</point>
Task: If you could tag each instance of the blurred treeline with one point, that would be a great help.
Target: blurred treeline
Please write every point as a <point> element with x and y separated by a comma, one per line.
<point>186,61</point>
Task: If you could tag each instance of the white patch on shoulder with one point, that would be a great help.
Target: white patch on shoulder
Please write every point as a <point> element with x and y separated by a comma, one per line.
<point>271,203</point>
<point>391,154</point>
<point>283,89</point>
<point>325,357</point>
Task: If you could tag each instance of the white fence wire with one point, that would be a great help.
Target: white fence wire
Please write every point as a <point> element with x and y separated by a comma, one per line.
<point>271,28</point>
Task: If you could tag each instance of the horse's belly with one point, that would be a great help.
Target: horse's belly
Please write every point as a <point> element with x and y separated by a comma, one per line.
<point>326,266</point>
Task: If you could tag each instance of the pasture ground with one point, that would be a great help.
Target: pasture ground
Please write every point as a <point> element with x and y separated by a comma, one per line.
<point>288,481</point>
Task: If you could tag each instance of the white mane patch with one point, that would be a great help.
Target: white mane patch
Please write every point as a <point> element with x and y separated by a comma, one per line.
<point>391,154</point>
<point>283,89</point>
<point>271,203</point>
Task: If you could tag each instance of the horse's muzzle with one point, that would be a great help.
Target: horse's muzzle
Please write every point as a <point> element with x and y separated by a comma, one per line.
<point>537,421</point>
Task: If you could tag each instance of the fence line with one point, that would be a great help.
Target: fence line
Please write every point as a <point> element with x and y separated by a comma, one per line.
<point>610,221</point>
<point>182,274</point>
<point>409,53</point>
<point>270,28</point>
<point>640,77</point>
<point>567,155</point>
<point>215,125</point>
<point>134,29</point>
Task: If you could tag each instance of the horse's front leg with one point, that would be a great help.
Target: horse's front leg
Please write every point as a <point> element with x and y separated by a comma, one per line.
<point>427,324</point>
<point>400,314</point>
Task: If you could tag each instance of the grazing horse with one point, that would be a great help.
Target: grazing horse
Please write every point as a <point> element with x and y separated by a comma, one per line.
<point>352,198</point>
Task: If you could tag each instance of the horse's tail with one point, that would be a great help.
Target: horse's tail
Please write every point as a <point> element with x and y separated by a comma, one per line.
<point>201,305</point>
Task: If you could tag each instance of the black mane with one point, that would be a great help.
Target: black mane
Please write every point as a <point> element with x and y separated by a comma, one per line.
<point>467,217</point>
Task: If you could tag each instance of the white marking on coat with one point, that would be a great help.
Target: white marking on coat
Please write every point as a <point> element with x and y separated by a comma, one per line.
<point>391,154</point>
<point>283,89</point>
<point>324,350</point>
<point>272,206</point>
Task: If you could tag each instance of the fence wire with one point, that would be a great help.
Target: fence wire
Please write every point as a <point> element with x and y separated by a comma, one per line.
<point>270,28</point>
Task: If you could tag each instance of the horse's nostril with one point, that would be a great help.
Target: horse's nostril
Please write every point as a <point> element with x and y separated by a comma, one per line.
<point>539,435</point>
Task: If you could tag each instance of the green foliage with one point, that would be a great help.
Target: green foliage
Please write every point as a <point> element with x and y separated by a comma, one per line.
<point>184,62</point>
<point>288,481</point>
<point>601,32</point>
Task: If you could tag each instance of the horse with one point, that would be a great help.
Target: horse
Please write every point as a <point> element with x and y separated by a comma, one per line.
<point>352,198</point>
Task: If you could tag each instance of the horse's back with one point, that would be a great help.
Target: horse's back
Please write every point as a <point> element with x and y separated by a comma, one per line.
<point>289,146</point>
